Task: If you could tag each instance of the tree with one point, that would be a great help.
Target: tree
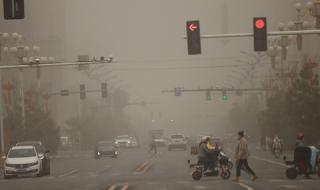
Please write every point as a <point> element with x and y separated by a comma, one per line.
<point>39,126</point>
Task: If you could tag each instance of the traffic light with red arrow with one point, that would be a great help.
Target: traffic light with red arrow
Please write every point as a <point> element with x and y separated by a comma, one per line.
<point>193,35</point>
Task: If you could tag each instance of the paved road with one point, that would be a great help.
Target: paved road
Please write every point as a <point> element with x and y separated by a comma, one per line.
<point>136,169</point>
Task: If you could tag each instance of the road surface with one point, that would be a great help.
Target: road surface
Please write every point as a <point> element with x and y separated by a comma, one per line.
<point>137,169</point>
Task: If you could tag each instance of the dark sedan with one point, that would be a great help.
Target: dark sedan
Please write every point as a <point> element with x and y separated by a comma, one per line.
<point>105,149</point>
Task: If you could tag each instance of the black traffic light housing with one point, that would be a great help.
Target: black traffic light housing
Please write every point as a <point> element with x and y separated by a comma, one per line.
<point>13,9</point>
<point>260,33</point>
<point>104,90</point>
<point>193,35</point>
<point>82,91</point>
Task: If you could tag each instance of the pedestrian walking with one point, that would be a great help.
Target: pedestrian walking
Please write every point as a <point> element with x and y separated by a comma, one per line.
<point>241,156</point>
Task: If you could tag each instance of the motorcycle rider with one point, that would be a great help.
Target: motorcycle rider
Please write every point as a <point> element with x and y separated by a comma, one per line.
<point>299,140</point>
<point>300,143</point>
<point>276,144</point>
<point>153,146</point>
<point>204,150</point>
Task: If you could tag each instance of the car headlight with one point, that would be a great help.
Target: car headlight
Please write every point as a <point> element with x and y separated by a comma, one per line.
<point>10,165</point>
<point>116,152</point>
<point>98,153</point>
<point>34,163</point>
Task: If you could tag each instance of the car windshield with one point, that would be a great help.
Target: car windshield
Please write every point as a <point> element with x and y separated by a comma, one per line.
<point>123,137</point>
<point>22,153</point>
<point>177,136</point>
<point>39,148</point>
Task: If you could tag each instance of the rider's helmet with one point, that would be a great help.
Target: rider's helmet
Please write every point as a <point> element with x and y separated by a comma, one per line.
<point>300,136</point>
<point>241,133</point>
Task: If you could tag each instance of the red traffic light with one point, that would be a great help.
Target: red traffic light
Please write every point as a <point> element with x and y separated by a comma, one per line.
<point>192,27</point>
<point>260,24</point>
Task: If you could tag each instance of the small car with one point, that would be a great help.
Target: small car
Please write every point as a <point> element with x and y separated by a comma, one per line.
<point>105,149</point>
<point>41,150</point>
<point>22,161</point>
<point>123,141</point>
<point>177,141</point>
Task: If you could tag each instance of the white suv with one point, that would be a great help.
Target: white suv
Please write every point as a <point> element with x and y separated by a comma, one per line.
<point>22,161</point>
<point>177,141</point>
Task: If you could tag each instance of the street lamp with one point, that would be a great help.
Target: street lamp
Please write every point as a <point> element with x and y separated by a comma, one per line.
<point>273,51</point>
<point>312,9</point>
<point>3,40</point>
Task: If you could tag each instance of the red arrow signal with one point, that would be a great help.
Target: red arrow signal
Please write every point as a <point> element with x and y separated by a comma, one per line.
<point>193,27</point>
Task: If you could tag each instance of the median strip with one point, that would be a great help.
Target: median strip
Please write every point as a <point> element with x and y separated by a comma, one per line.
<point>142,168</point>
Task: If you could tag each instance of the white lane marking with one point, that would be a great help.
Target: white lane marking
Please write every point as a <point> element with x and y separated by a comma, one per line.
<point>92,174</point>
<point>91,185</point>
<point>113,187</point>
<point>269,161</point>
<point>288,186</point>
<point>276,180</point>
<point>199,187</point>
<point>245,186</point>
<point>69,173</point>
<point>125,187</point>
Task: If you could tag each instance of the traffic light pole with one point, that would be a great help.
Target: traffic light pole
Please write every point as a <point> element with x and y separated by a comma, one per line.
<point>277,33</point>
<point>221,90</point>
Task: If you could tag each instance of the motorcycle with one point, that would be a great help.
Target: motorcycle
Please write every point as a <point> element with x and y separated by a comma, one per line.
<point>214,170</point>
<point>225,160</point>
<point>306,161</point>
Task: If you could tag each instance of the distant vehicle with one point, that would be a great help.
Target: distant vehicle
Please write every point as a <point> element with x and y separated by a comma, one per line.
<point>134,142</point>
<point>45,161</point>
<point>157,135</point>
<point>22,161</point>
<point>123,141</point>
<point>105,149</point>
<point>177,141</point>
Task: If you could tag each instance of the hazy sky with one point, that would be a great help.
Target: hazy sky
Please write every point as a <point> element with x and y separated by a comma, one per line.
<point>146,38</point>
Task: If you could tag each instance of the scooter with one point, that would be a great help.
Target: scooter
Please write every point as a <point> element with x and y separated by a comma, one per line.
<point>222,170</point>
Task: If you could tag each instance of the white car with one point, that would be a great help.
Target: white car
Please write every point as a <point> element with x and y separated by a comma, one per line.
<point>177,141</point>
<point>123,141</point>
<point>22,161</point>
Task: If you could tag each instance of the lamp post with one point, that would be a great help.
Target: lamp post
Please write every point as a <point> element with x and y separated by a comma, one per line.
<point>21,52</point>
<point>3,39</point>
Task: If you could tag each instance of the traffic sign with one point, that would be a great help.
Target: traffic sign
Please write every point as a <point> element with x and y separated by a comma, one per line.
<point>193,35</point>
<point>64,93</point>
<point>13,9</point>
<point>260,33</point>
